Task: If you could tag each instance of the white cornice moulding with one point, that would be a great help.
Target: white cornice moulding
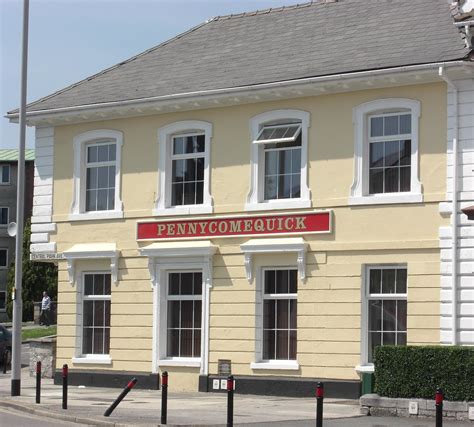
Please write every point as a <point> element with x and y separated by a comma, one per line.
<point>266,246</point>
<point>84,251</point>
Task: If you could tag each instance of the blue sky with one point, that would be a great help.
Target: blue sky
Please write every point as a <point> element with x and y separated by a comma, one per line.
<point>72,39</point>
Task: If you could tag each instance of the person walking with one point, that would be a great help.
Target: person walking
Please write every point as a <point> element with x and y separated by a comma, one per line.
<point>45,309</point>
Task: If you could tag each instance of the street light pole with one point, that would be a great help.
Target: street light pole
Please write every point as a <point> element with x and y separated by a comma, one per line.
<point>20,200</point>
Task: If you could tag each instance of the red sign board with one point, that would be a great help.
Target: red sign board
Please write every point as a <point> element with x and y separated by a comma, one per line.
<point>252,225</point>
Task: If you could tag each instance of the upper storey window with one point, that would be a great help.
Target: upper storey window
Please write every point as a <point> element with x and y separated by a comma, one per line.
<point>97,158</point>
<point>4,174</point>
<point>184,168</point>
<point>279,161</point>
<point>386,152</point>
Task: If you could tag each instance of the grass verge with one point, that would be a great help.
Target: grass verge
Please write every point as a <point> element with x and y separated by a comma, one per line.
<point>28,334</point>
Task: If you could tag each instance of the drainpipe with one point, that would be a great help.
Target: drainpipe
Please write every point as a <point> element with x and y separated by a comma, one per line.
<point>454,214</point>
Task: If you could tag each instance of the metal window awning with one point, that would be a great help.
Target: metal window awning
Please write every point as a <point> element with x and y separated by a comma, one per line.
<point>278,133</point>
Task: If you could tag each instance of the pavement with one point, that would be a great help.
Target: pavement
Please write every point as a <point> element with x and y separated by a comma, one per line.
<point>86,406</point>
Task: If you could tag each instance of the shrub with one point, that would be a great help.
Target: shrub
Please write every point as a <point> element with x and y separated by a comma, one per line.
<point>416,371</point>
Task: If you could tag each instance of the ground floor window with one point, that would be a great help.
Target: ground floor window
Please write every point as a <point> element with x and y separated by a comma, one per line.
<point>279,314</point>
<point>184,314</point>
<point>3,300</point>
<point>96,313</point>
<point>387,307</point>
<point>3,258</point>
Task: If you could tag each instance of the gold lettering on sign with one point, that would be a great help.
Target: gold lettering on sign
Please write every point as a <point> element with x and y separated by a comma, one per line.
<point>235,226</point>
<point>192,228</point>
<point>171,229</point>
<point>300,225</point>
<point>287,223</point>
<point>181,228</point>
<point>202,227</point>
<point>259,225</point>
<point>212,227</point>
<point>272,220</point>
<point>280,224</point>
<point>248,225</point>
<point>223,227</point>
<point>161,228</point>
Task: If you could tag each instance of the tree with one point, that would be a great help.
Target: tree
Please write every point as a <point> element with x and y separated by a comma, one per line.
<point>37,277</point>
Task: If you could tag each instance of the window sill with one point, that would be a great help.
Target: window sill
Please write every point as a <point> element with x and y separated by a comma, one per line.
<point>381,199</point>
<point>184,210</point>
<point>92,360</point>
<point>189,363</point>
<point>278,204</point>
<point>365,369</point>
<point>90,216</point>
<point>289,365</point>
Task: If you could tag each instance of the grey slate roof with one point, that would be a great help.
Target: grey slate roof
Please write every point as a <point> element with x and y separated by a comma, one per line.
<point>315,39</point>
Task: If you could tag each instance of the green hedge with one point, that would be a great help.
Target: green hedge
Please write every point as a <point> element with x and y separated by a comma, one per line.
<point>416,371</point>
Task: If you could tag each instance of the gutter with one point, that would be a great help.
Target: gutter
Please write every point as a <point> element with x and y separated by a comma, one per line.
<point>454,208</point>
<point>240,90</point>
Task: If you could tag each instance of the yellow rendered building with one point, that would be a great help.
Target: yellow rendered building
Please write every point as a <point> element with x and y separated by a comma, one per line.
<point>276,222</point>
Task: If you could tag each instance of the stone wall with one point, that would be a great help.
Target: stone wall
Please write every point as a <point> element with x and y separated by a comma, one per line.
<point>43,350</point>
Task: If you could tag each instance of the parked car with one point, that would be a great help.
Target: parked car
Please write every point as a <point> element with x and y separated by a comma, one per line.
<point>5,341</point>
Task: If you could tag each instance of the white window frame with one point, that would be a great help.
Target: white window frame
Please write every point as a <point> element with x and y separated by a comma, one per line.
<point>4,267</point>
<point>2,310</point>
<point>8,216</point>
<point>80,357</point>
<point>365,366</point>
<point>359,194</point>
<point>6,165</point>
<point>255,198</point>
<point>165,139</point>
<point>260,363</point>
<point>80,143</point>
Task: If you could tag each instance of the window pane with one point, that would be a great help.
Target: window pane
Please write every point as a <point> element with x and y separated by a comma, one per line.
<point>405,178</point>
<point>401,315</point>
<point>389,315</point>
<point>271,162</point>
<point>391,125</point>
<point>88,284</point>
<point>106,340</point>
<point>282,282</point>
<point>401,281</point>
<point>282,351</point>
<point>283,314</point>
<point>102,200</point>
<point>112,152</point>
<point>187,314</point>
<point>376,126</point>
<point>189,193</point>
<point>103,153</point>
<point>194,144</point>
<point>405,123</point>
<point>279,132</point>
<point>107,313</point>
<point>285,162</point>
<point>375,339</point>
<point>388,281</point>
<point>293,281</point>
<point>177,191</point>
<point>88,315</point>
<point>266,134</point>
<point>190,174</point>
<point>99,285</point>
<point>200,168</point>
<point>376,154</point>
<point>271,188</point>
<point>376,181</point>
<point>197,283</point>
<point>392,153</point>
<point>186,343</point>
<point>91,178</point>
<point>284,187</point>
<point>111,199</point>
<point>375,281</point>
<point>173,314</point>
<point>405,152</point>
<point>178,145</point>
<point>293,341</point>
<point>98,341</point>
<point>173,343</point>
<point>197,314</point>
<point>92,154</point>
<point>186,283</point>
<point>173,283</point>
<point>296,161</point>
<point>5,173</point>
<point>199,192</point>
<point>270,281</point>
<point>178,170</point>
<point>111,183</point>
<point>295,185</point>
<point>99,313</point>
<point>268,345</point>
<point>197,343</point>
<point>388,338</point>
<point>269,314</point>
<point>375,315</point>
<point>293,316</point>
<point>3,257</point>
<point>87,341</point>
<point>391,180</point>
<point>91,200</point>
<point>401,339</point>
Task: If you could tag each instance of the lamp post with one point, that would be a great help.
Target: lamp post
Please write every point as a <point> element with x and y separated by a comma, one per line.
<point>20,200</point>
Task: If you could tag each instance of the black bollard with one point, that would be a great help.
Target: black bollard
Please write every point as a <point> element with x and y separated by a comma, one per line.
<point>65,374</point>
<point>319,404</point>
<point>439,407</point>
<point>230,401</point>
<point>125,391</point>
<point>38,381</point>
<point>164,397</point>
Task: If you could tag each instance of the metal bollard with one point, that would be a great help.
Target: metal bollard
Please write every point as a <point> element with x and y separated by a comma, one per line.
<point>319,404</point>
<point>65,374</point>
<point>230,401</point>
<point>5,361</point>
<point>439,407</point>
<point>164,397</point>
<point>38,381</point>
<point>124,392</point>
